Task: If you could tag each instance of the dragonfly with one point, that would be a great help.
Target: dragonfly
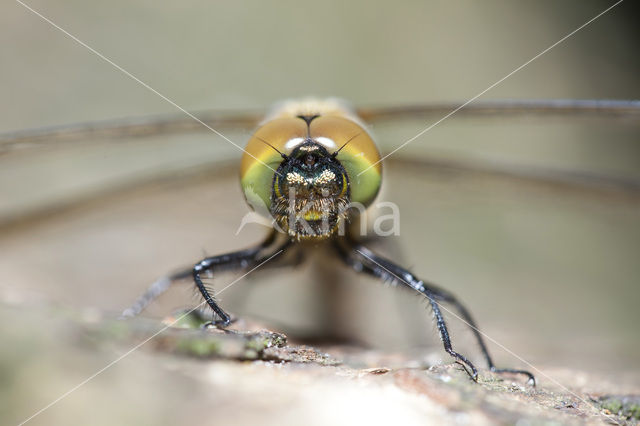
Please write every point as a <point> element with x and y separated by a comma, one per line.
<point>51,202</point>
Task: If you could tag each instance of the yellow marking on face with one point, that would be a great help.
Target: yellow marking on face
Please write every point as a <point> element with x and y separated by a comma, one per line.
<point>276,186</point>
<point>312,215</point>
<point>345,185</point>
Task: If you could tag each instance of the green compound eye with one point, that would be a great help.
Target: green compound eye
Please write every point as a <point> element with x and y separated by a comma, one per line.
<point>357,156</point>
<point>261,160</point>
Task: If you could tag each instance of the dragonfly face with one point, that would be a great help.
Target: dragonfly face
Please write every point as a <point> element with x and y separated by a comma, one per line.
<point>310,194</point>
<point>305,167</point>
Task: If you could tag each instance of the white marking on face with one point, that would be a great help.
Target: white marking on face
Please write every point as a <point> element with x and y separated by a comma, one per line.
<point>292,143</point>
<point>325,177</point>
<point>293,178</point>
<point>328,143</point>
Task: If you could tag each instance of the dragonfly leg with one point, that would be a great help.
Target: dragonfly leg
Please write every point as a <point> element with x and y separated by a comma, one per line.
<point>231,261</point>
<point>235,260</point>
<point>445,296</point>
<point>153,292</point>
<point>364,260</point>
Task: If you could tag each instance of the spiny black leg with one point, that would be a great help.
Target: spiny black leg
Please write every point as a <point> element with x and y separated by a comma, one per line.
<point>446,340</point>
<point>162,284</point>
<point>362,259</point>
<point>236,260</point>
<point>202,266</point>
<point>445,296</point>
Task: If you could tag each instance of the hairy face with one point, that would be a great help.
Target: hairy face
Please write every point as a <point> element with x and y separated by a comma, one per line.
<point>310,192</point>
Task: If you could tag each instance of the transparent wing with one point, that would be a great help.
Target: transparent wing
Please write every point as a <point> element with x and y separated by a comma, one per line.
<point>549,141</point>
<point>179,123</point>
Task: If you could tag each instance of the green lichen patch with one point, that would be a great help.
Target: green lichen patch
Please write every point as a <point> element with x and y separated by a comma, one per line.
<point>201,348</point>
<point>214,343</point>
<point>184,334</point>
<point>186,319</point>
<point>625,406</point>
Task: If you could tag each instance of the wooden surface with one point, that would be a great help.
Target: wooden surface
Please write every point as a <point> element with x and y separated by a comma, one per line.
<point>248,375</point>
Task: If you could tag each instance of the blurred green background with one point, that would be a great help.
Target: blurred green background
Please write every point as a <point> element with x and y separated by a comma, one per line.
<point>550,271</point>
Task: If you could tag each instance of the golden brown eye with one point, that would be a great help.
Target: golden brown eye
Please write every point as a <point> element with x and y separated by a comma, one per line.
<point>359,157</point>
<point>260,160</point>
